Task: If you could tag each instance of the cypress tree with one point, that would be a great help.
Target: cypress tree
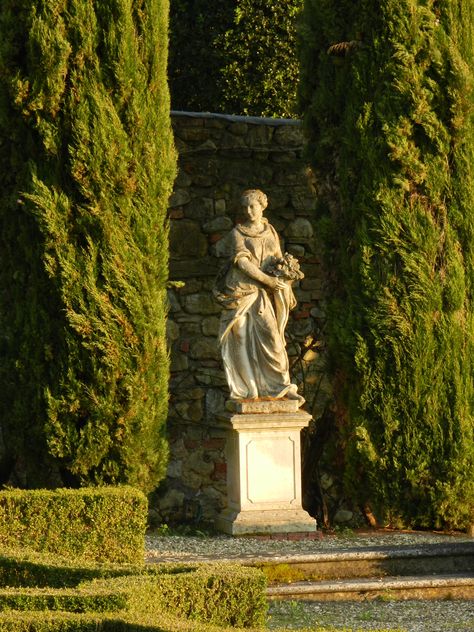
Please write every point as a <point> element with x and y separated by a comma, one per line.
<point>87,164</point>
<point>387,89</point>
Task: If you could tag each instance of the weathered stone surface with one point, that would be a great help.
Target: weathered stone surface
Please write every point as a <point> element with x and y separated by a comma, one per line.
<point>343,515</point>
<point>186,239</point>
<point>175,469</point>
<point>309,283</point>
<point>189,393</point>
<point>221,207</point>
<point>210,326</point>
<point>218,224</point>
<point>300,228</point>
<point>183,181</point>
<point>259,135</point>
<point>303,200</point>
<point>189,268</point>
<point>190,411</point>
<point>172,330</point>
<point>215,402</point>
<point>209,376</point>
<point>179,362</point>
<point>172,500</point>
<point>222,248</point>
<point>289,136</point>
<point>197,463</point>
<point>262,406</point>
<point>239,129</point>
<point>193,134</point>
<point>180,197</point>
<point>204,349</point>
<point>284,156</point>
<point>207,145</point>
<point>296,250</point>
<point>200,304</point>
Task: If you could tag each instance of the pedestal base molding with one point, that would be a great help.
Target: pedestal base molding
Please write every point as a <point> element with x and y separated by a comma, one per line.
<point>264,474</point>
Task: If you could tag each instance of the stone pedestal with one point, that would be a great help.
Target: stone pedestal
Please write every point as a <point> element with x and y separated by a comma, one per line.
<point>264,472</point>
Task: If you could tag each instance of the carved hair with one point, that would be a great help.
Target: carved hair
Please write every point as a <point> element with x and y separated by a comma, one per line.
<point>257,195</point>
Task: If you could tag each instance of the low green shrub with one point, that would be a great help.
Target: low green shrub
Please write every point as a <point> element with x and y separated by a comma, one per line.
<point>103,524</point>
<point>84,599</point>
<point>23,568</point>
<point>166,597</point>
<point>219,594</point>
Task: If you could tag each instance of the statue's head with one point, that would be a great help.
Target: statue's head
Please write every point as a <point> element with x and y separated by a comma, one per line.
<point>254,195</point>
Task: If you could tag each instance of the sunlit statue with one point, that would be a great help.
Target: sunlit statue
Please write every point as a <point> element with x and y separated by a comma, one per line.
<point>255,291</point>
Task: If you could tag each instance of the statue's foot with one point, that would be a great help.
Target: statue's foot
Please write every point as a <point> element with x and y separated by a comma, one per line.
<point>293,394</point>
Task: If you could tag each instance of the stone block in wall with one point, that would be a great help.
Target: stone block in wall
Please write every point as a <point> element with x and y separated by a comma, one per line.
<point>259,136</point>
<point>179,197</point>
<point>179,362</point>
<point>210,326</point>
<point>210,376</point>
<point>191,410</point>
<point>186,239</point>
<point>202,304</point>
<point>238,128</point>
<point>289,135</point>
<point>192,134</point>
<point>300,228</point>
<point>218,224</point>
<point>204,349</point>
<point>302,200</point>
<point>284,156</point>
<point>172,330</point>
<point>189,268</point>
<point>215,402</point>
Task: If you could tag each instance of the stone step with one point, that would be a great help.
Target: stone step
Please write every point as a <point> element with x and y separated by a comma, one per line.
<point>450,586</point>
<point>428,559</point>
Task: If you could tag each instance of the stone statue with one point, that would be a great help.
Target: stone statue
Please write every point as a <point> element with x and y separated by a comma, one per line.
<point>255,291</point>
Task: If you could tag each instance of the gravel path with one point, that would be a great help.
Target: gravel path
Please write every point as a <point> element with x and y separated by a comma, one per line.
<point>410,616</point>
<point>406,616</point>
<point>187,548</point>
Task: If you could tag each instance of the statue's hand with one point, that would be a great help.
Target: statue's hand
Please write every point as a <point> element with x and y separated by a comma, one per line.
<point>275,283</point>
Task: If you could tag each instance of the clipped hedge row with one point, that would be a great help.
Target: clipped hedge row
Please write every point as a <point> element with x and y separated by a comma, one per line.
<point>153,597</point>
<point>105,524</point>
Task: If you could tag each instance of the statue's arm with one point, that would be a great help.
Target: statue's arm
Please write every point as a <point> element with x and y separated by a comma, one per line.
<point>254,272</point>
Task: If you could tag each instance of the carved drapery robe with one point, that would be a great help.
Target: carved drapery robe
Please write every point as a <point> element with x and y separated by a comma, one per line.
<point>253,321</point>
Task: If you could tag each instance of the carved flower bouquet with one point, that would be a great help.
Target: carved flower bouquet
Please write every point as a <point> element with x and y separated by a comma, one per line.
<point>286,267</point>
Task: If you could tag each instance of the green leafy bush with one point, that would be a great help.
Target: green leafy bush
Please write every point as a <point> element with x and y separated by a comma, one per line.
<point>99,524</point>
<point>234,56</point>
<point>388,93</point>
<point>261,70</point>
<point>87,165</point>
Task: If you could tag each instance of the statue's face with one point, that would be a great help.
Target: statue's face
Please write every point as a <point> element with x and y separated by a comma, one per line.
<point>252,209</point>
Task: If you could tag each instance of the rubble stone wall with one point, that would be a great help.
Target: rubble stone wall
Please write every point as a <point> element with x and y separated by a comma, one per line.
<point>219,157</point>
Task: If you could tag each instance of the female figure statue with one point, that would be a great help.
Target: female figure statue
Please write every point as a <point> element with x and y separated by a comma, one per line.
<point>255,291</point>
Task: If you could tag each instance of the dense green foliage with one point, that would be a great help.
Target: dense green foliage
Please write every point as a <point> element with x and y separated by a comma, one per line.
<point>387,88</point>
<point>100,524</point>
<point>160,597</point>
<point>234,56</point>
<point>196,58</point>
<point>87,164</point>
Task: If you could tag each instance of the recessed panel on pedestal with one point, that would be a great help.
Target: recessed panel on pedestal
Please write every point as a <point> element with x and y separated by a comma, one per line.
<point>270,470</point>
